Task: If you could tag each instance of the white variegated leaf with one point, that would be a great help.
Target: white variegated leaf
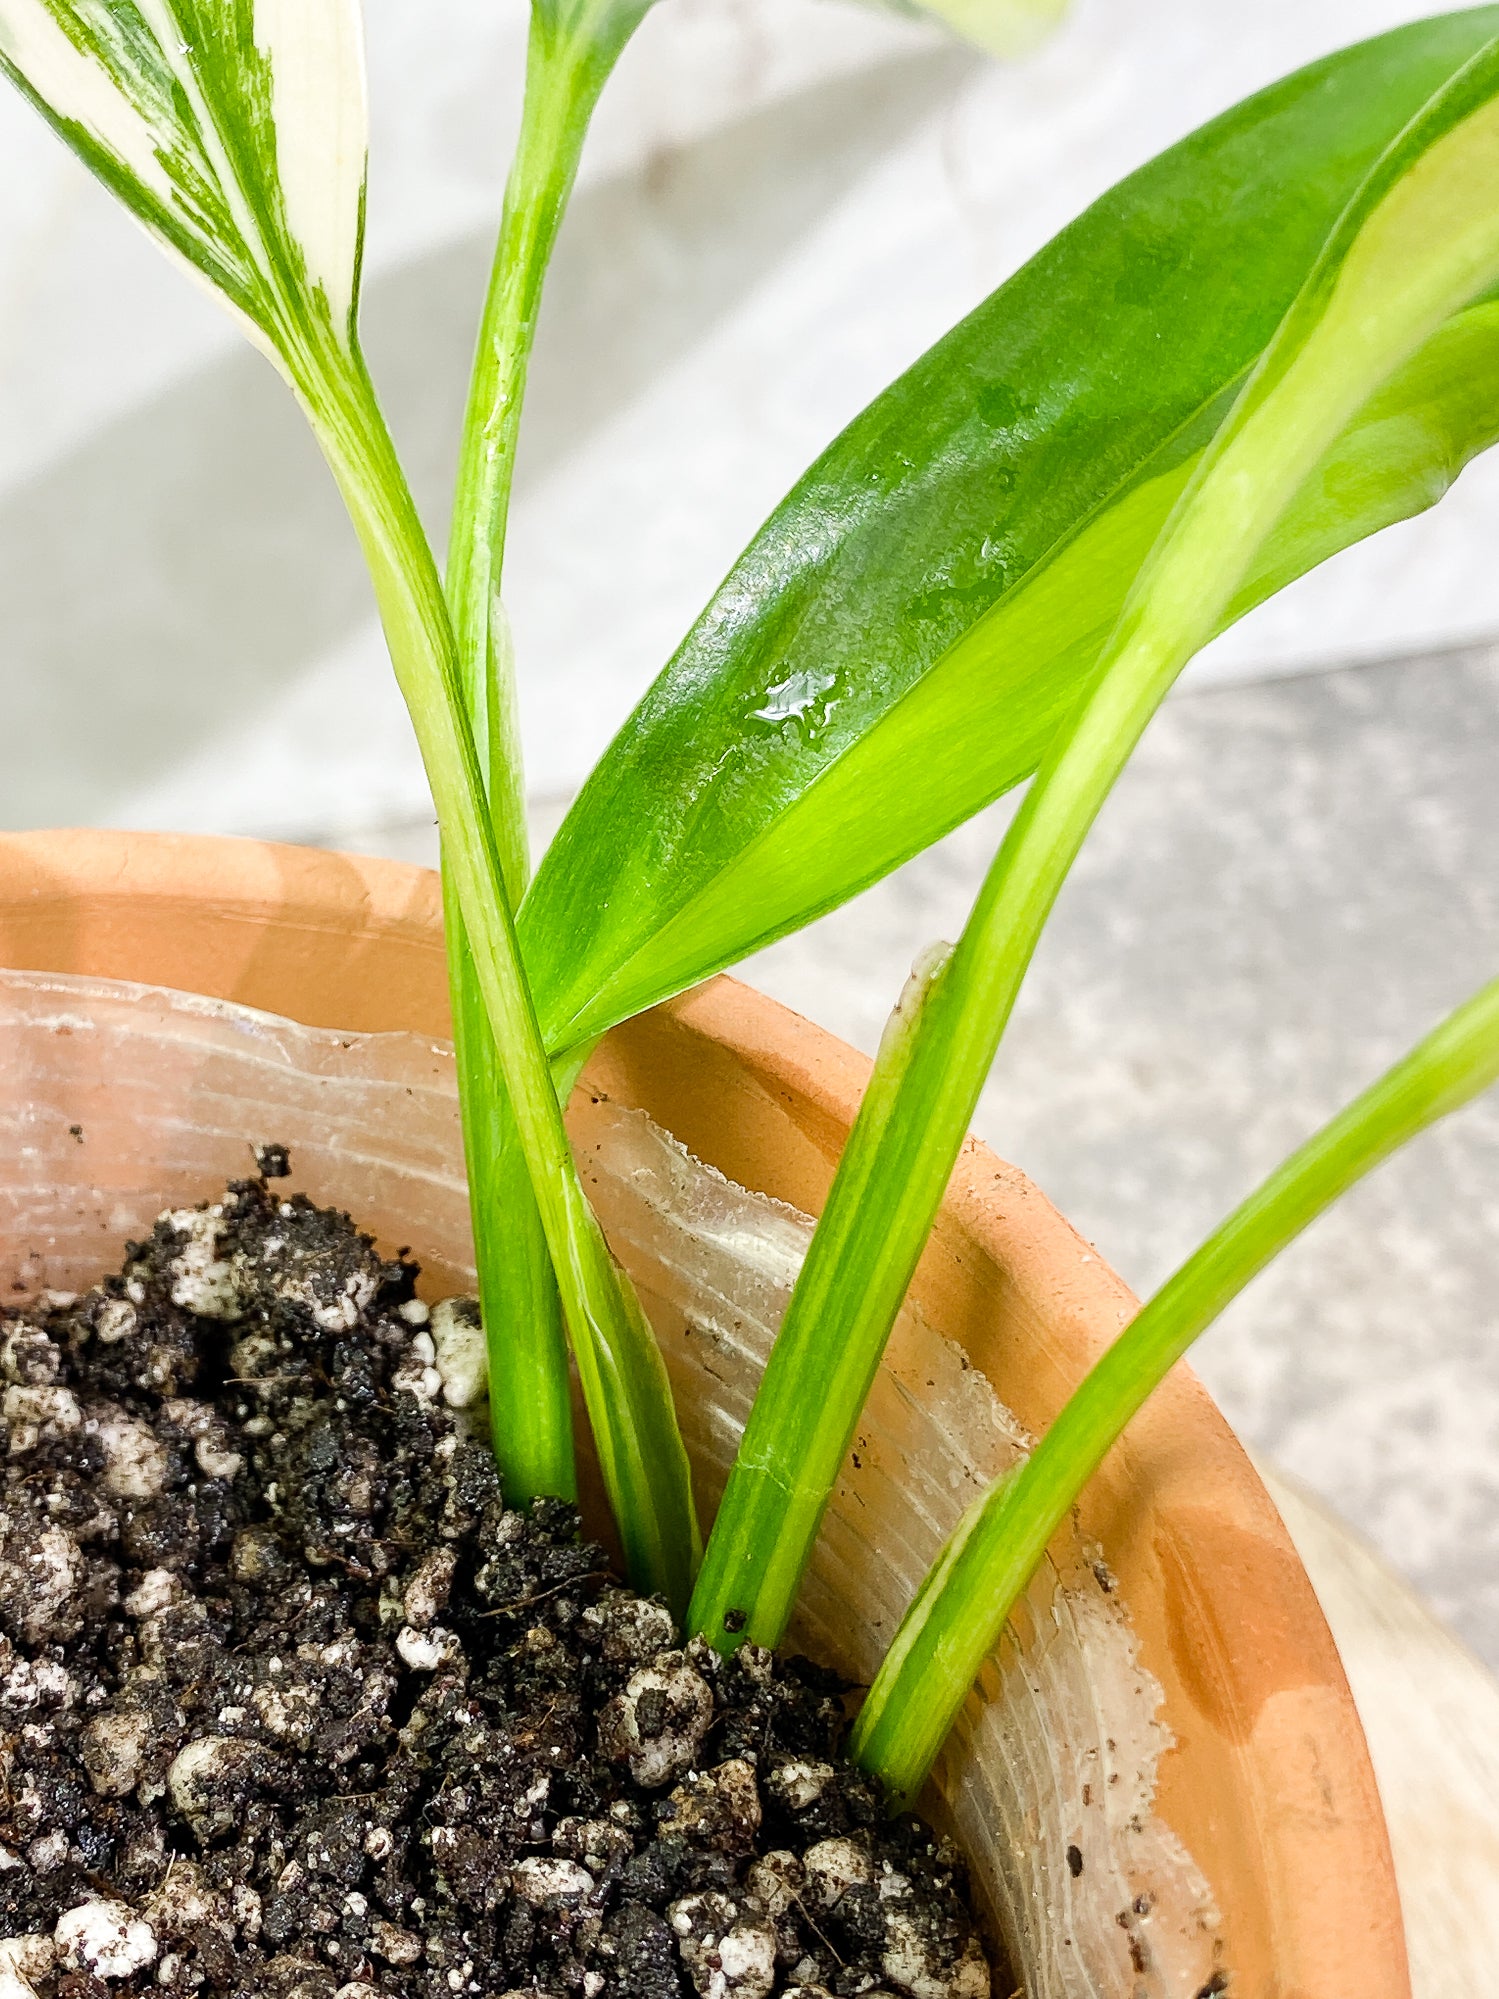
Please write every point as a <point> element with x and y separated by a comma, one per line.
<point>1001,27</point>
<point>234,130</point>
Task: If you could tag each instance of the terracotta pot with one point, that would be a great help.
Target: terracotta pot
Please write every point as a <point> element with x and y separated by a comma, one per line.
<point>1267,1784</point>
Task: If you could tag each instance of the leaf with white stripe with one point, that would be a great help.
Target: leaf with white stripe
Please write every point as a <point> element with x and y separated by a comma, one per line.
<point>234,130</point>
<point>1000,27</point>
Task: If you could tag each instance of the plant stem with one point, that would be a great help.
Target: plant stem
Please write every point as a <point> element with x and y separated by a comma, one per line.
<point>624,1379</point>
<point>529,1384</point>
<point>802,1420</point>
<point>1397,270</point>
<point>961,1609</point>
<point>563,81</point>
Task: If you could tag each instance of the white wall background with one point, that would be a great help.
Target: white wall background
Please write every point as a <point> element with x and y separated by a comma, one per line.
<point>784,202</point>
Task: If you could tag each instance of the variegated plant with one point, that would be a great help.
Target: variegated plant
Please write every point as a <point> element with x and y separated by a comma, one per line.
<point>235,131</point>
<point>1274,339</point>
<point>236,134</point>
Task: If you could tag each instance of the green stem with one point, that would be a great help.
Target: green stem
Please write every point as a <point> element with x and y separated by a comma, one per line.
<point>529,1387</point>
<point>563,81</point>
<point>961,1609</point>
<point>1396,272</point>
<point>624,1380</point>
<point>803,1417</point>
<point>530,1384</point>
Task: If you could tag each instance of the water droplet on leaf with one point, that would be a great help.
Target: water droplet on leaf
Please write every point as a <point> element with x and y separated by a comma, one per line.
<point>807,696</point>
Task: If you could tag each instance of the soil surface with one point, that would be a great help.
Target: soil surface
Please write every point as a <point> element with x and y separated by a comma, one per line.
<point>291,1704</point>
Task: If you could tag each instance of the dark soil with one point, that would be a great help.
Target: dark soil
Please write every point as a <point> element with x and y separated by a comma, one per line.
<point>291,1705</point>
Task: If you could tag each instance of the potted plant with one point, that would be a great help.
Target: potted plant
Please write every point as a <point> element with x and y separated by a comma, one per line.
<point>1270,341</point>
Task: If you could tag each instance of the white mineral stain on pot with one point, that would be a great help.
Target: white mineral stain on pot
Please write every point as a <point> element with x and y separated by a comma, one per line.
<point>1024,1766</point>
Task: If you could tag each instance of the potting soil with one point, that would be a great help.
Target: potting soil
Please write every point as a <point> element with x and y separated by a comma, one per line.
<point>292,1704</point>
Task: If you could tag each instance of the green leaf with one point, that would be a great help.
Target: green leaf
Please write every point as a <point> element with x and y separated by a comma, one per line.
<point>898,644</point>
<point>1417,244</point>
<point>957,1615</point>
<point>234,130</point>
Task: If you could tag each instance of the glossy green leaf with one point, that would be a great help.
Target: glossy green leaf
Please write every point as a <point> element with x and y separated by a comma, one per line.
<point>1417,245</point>
<point>897,645</point>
